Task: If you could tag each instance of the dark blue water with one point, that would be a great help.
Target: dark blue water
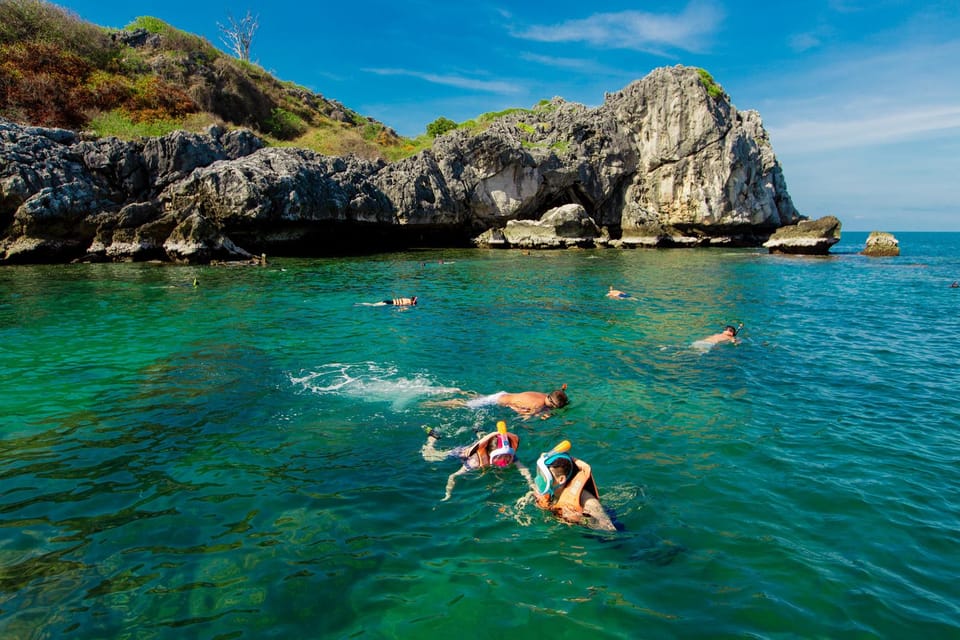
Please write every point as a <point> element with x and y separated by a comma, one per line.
<point>241,459</point>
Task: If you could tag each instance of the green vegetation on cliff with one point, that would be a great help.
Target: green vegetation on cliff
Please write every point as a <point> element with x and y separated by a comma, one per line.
<point>714,90</point>
<point>148,79</point>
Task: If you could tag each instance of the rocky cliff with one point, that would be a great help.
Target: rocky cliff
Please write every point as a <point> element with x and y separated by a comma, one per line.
<point>664,162</point>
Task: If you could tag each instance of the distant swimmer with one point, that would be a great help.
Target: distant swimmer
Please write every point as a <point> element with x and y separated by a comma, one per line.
<point>617,294</point>
<point>955,285</point>
<point>566,487</point>
<point>729,334</point>
<point>396,302</point>
<point>497,449</point>
<point>526,403</point>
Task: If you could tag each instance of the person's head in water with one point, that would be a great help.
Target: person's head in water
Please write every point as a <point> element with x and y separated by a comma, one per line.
<point>562,468</point>
<point>554,469</point>
<point>557,399</point>
<point>502,454</point>
<point>730,330</point>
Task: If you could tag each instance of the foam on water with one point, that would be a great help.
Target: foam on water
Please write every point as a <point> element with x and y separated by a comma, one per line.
<point>369,382</point>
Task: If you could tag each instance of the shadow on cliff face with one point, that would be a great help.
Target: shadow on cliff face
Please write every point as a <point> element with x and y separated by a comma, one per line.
<point>345,239</point>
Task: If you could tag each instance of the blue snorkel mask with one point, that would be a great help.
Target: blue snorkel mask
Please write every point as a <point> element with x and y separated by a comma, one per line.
<point>545,481</point>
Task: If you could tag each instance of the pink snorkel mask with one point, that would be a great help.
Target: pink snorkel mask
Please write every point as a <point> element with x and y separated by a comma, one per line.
<point>504,454</point>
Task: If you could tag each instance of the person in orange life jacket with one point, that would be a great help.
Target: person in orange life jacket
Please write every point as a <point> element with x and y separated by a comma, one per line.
<point>565,486</point>
<point>497,449</point>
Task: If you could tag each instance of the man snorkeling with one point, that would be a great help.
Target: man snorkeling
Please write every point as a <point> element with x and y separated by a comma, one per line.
<point>497,449</point>
<point>396,302</point>
<point>526,403</point>
<point>565,486</point>
<point>729,334</point>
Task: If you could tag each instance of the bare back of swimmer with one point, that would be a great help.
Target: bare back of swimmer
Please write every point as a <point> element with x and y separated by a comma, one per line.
<point>526,403</point>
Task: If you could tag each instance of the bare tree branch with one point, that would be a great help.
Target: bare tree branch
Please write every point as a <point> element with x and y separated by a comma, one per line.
<point>238,35</point>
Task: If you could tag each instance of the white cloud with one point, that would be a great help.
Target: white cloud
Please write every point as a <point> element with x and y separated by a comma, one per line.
<point>636,30</point>
<point>845,6</point>
<point>461,82</point>
<point>803,42</point>
<point>571,64</point>
<point>802,136</point>
<point>856,97</point>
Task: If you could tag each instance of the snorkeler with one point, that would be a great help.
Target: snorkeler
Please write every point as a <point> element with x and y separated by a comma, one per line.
<point>729,334</point>
<point>526,403</point>
<point>617,294</point>
<point>565,486</point>
<point>397,302</point>
<point>497,449</point>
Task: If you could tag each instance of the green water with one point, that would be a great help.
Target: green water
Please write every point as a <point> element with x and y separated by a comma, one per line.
<point>241,459</point>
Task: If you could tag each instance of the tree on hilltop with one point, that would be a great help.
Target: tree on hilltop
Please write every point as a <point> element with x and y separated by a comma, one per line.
<point>440,126</point>
<point>238,34</point>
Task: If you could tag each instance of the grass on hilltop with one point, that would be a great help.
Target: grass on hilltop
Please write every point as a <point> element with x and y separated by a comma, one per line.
<point>57,70</point>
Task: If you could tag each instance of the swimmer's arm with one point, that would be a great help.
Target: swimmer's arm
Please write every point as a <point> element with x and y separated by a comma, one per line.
<point>520,407</point>
<point>526,475</point>
<point>452,480</point>
<point>599,518</point>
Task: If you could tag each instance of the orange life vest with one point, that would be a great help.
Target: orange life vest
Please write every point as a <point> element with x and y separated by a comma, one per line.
<point>567,507</point>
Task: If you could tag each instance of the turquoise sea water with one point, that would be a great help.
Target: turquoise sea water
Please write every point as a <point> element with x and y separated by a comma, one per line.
<point>241,459</point>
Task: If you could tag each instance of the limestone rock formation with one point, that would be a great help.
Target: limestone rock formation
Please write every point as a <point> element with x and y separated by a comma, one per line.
<point>810,237</point>
<point>561,227</point>
<point>667,161</point>
<point>61,196</point>
<point>881,244</point>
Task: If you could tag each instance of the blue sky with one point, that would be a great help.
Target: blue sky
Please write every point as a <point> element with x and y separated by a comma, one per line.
<point>861,98</point>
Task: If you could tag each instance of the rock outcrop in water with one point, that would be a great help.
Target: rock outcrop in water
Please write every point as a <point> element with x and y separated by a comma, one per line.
<point>809,237</point>
<point>881,244</point>
<point>667,161</point>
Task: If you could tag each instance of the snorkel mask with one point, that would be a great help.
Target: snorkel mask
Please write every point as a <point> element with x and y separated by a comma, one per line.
<point>503,455</point>
<point>545,480</point>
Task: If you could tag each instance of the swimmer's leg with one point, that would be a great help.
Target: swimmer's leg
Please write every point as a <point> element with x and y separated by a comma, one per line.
<point>485,401</point>
<point>453,402</point>
<point>429,450</point>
